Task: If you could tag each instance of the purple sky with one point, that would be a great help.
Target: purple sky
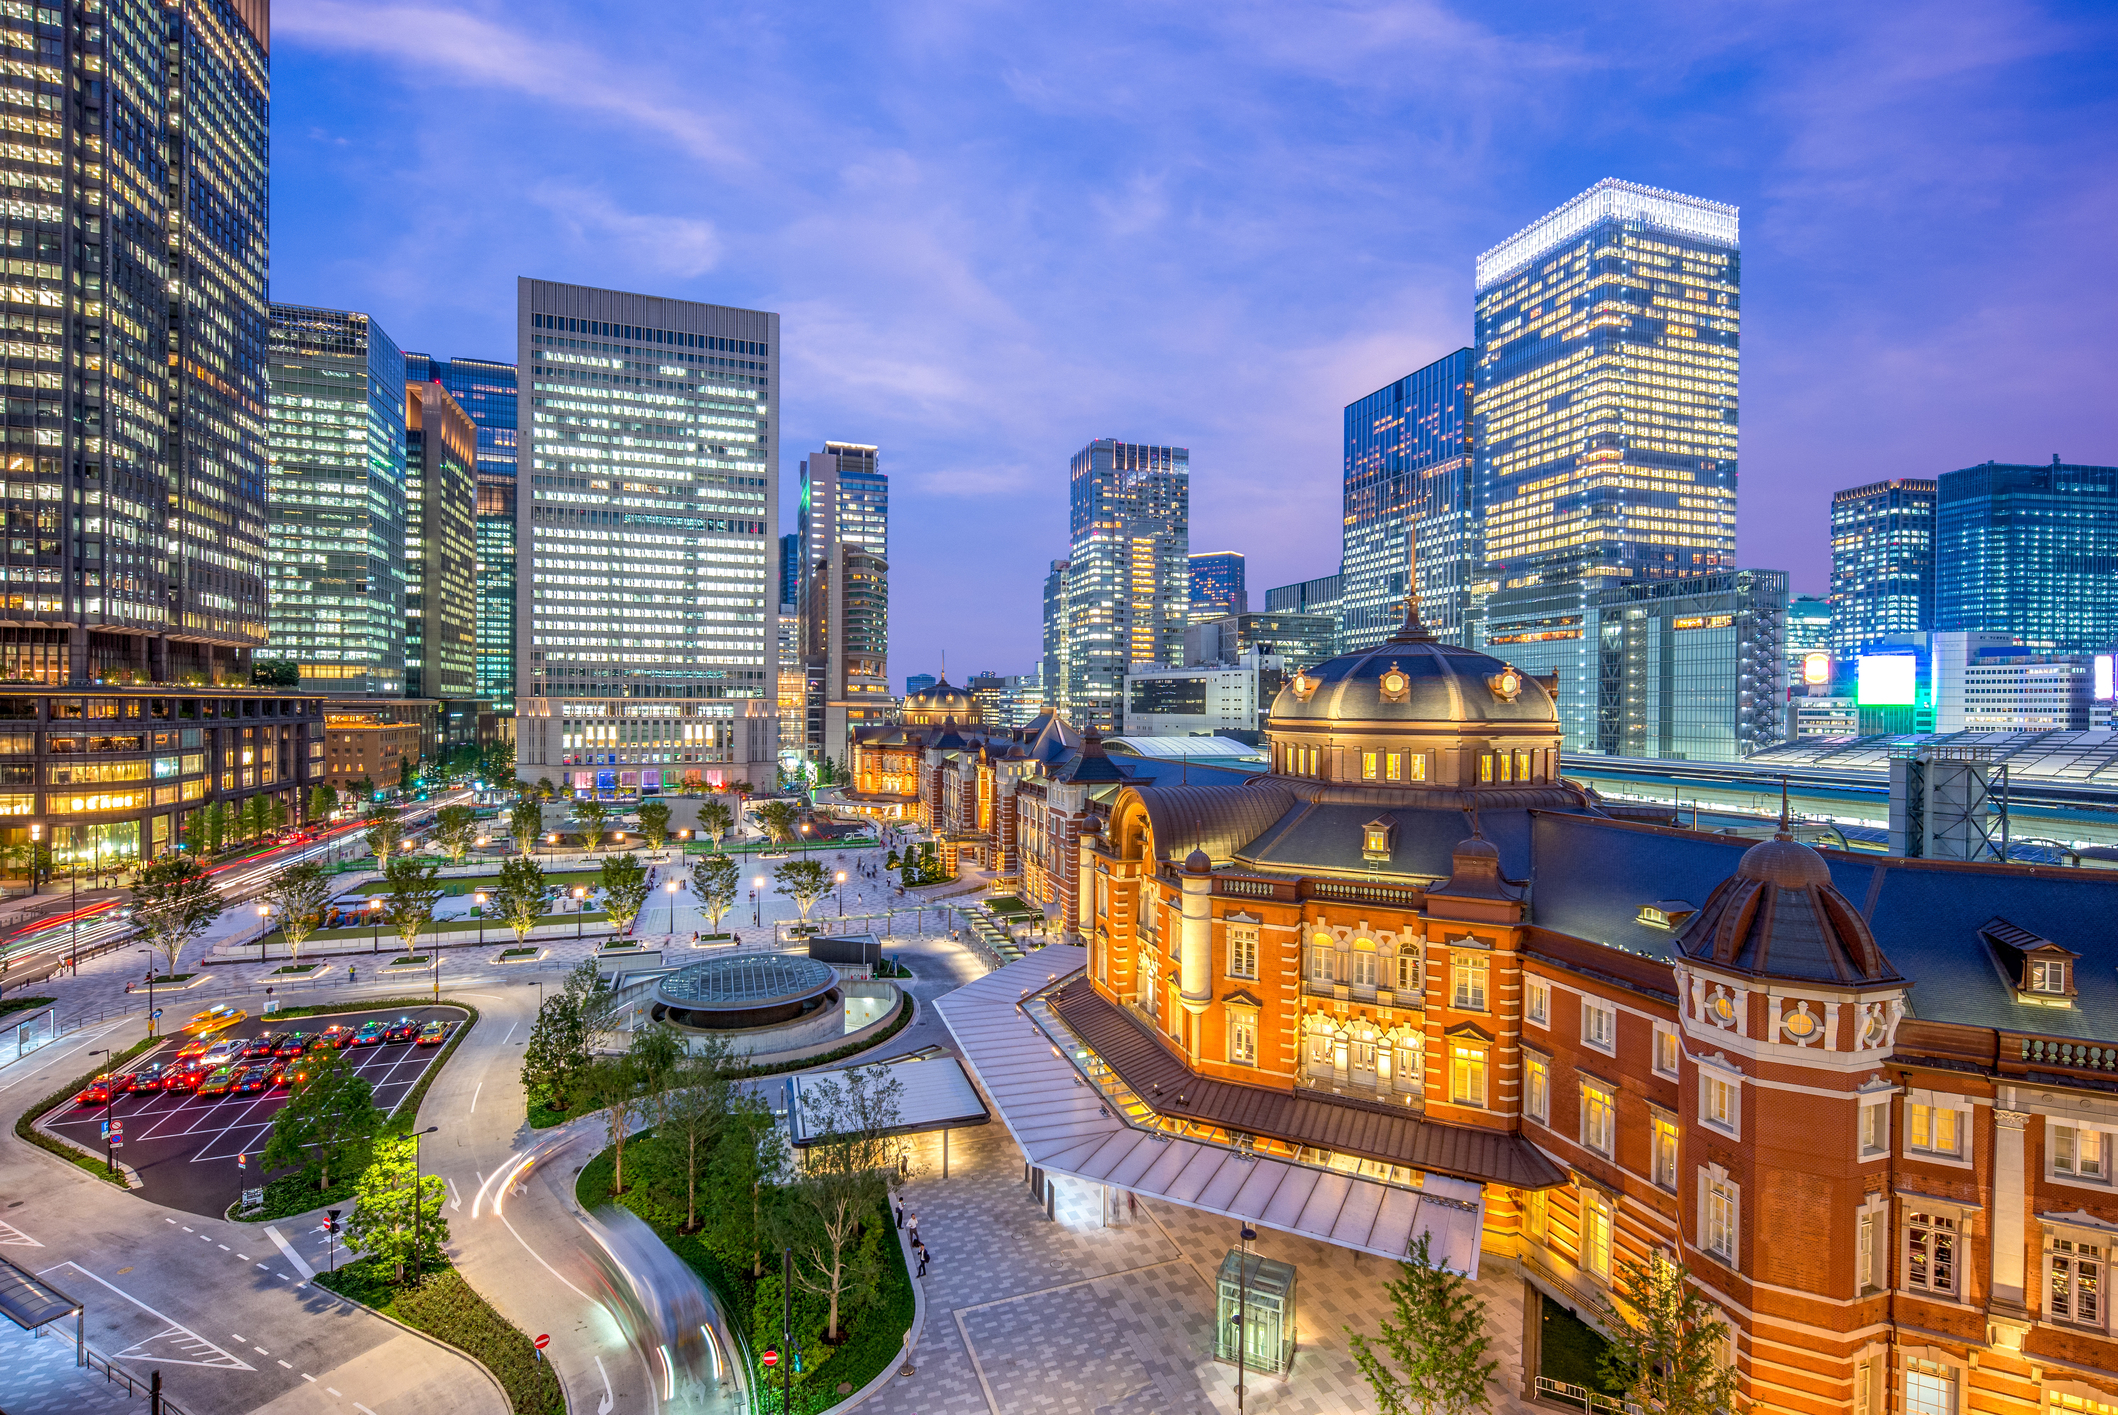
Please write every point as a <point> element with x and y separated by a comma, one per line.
<point>997,231</point>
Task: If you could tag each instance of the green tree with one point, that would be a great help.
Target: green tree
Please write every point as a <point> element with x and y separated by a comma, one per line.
<point>405,772</point>
<point>1432,1359</point>
<point>414,890</point>
<point>716,880</point>
<point>847,1171</point>
<point>173,902</point>
<point>212,828</point>
<point>1669,1346</point>
<point>613,1084</point>
<point>525,822</point>
<point>545,790</point>
<point>804,881</point>
<point>276,672</point>
<point>654,823</point>
<point>779,819</point>
<point>716,820</point>
<point>384,835</point>
<point>572,1017</point>
<point>323,800</point>
<point>496,763</point>
<point>383,1224</point>
<point>327,1122</point>
<point>298,894</point>
<point>624,886</point>
<point>751,1155</point>
<point>690,1112</point>
<point>522,896</point>
<point>454,829</point>
<point>592,817</point>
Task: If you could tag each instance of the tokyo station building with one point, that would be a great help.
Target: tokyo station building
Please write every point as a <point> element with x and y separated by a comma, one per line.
<point>1870,1103</point>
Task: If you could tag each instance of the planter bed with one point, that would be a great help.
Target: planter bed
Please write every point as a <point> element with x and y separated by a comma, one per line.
<point>179,983</point>
<point>301,968</point>
<point>519,955</point>
<point>418,960</point>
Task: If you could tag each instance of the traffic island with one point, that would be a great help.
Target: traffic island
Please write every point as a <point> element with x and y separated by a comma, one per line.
<point>443,1306</point>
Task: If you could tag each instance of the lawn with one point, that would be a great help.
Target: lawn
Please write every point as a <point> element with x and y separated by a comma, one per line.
<point>20,1004</point>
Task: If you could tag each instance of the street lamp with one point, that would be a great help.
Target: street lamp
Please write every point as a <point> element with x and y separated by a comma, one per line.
<point>580,907</point>
<point>110,1093</point>
<point>757,906</point>
<point>842,894</point>
<point>264,911</point>
<point>1249,1236</point>
<point>151,1018</point>
<point>479,900</point>
<point>551,848</point>
<point>375,922</point>
<point>36,844</point>
<point>416,1205</point>
<point>672,888</point>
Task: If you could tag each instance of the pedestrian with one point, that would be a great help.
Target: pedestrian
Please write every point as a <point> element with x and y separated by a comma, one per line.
<point>900,1212</point>
<point>912,1223</point>
<point>921,1250</point>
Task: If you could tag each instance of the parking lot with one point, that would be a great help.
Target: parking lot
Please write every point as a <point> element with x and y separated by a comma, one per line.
<point>185,1146</point>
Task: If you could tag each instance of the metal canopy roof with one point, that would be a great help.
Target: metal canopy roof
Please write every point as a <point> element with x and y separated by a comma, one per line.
<point>29,1301</point>
<point>1064,1125</point>
<point>1192,747</point>
<point>937,1095</point>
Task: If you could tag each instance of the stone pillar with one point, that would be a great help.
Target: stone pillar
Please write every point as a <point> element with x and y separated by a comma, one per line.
<point>1084,887</point>
<point>2009,1197</point>
<point>1195,944</point>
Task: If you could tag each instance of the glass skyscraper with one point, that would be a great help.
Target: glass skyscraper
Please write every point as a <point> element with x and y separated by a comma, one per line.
<point>441,547</point>
<point>1882,562</point>
<point>485,390</point>
<point>845,604</point>
<point>2029,551</point>
<point>1408,493</point>
<point>1605,390</point>
<point>1128,584</point>
<point>1217,585</point>
<point>338,518</point>
<point>646,527</point>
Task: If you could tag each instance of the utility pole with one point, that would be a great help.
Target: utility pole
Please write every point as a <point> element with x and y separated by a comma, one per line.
<point>786,1330</point>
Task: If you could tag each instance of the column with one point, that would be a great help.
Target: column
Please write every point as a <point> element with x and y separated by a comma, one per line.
<point>2009,1195</point>
<point>1195,938</point>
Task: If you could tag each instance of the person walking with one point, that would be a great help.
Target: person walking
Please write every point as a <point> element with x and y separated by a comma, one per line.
<point>920,1249</point>
<point>900,1212</point>
<point>912,1224</point>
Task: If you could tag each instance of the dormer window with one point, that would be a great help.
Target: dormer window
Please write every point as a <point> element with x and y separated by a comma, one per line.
<point>1379,839</point>
<point>2039,970</point>
<point>2048,975</point>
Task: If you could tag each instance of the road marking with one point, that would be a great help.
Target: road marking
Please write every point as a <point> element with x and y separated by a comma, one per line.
<point>510,1031</point>
<point>334,1391</point>
<point>280,1240</point>
<point>238,1336</point>
<point>189,1229</point>
<point>260,1351</point>
<point>610,1399</point>
<point>244,1256</point>
<point>288,1364</point>
<point>455,1196</point>
<point>263,1266</point>
<point>362,1408</point>
<point>13,1237</point>
<point>226,1249</point>
<point>306,1376</point>
<point>474,1096</point>
<point>197,1351</point>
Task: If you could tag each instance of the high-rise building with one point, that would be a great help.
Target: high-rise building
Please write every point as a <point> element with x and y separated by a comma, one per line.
<point>1128,591</point>
<point>845,605</point>
<point>1605,390</point>
<point>919,683</point>
<point>1808,631</point>
<point>647,538</point>
<point>1408,496</point>
<point>441,546</point>
<point>1217,585</point>
<point>1300,639</point>
<point>1882,562</point>
<point>2029,551</point>
<point>791,568</point>
<point>485,390</point>
<point>1323,595</point>
<point>1051,668</point>
<point>339,513</point>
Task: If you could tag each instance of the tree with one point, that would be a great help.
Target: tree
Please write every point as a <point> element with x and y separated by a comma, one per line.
<point>497,762</point>
<point>716,881</point>
<point>654,823</point>
<point>545,790</point>
<point>847,1172</point>
<point>405,772</point>
<point>213,828</point>
<point>383,1225</point>
<point>567,1025</point>
<point>298,895</point>
<point>750,1158</point>
<point>592,817</point>
<point>522,896</point>
<point>779,819</point>
<point>385,835</point>
<point>1669,1345</point>
<point>624,886</point>
<point>691,1111</point>
<point>454,829</point>
<point>323,800</point>
<point>716,820</point>
<point>413,893</point>
<point>326,1123</point>
<point>173,902</point>
<point>525,822</point>
<point>1438,1343</point>
<point>258,811</point>
<point>276,672</point>
<point>279,813</point>
<point>804,881</point>
<point>613,1083</point>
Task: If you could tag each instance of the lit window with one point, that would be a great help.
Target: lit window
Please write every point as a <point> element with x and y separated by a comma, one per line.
<point>1665,1152</point>
<point>1596,1234</point>
<point>1485,768</point>
<point>1394,766</point>
<point>1243,1039</point>
<point>1537,1096</point>
<point>1665,1051</point>
<point>1320,955</point>
<point>1599,1025</point>
<point>1718,1101</point>
<point>1932,1130</point>
<point>1407,971</point>
<point>1930,1388</point>
<point>1368,766</point>
<point>1467,975</point>
<point>1598,1117</point>
<point>1930,1253</point>
<point>2048,975</point>
<point>1718,1222</point>
<point>1364,963</point>
<point>2077,1281</point>
<point>2081,1153</point>
<point>1467,1075</point>
<point>1537,1001</point>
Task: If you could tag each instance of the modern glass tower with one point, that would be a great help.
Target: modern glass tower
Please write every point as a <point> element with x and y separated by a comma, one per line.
<point>441,545</point>
<point>1128,593</point>
<point>1408,494</point>
<point>338,527</point>
<point>1882,562</point>
<point>1605,390</point>
<point>485,390</point>
<point>1217,586</point>
<point>2029,551</point>
<point>845,604</point>
<point>646,530</point>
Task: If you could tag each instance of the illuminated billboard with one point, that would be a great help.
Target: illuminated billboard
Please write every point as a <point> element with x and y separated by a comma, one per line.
<point>2104,685</point>
<point>1888,680</point>
<point>1816,667</point>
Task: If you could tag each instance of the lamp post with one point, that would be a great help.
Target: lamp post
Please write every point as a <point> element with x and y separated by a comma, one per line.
<point>1242,1310</point>
<point>842,894</point>
<point>151,1018</point>
<point>110,1093</point>
<point>375,922</point>
<point>479,899</point>
<point>757,903</point>
<point>264,911</point>
<point>580,908</point>
<point>551,848</point>
<point>672,888</point>
<point>36,844</point>
<point>416,1204</point>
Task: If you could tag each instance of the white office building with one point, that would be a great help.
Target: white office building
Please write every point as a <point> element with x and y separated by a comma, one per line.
<point>1183,702</point>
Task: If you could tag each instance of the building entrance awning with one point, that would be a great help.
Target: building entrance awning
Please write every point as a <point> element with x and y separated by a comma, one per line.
<point>935,1095</point>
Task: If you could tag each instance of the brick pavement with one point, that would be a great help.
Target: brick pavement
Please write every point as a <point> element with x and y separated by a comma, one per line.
<point>38,1377</point>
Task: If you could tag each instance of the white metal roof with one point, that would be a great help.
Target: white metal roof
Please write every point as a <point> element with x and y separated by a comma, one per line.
<point>937,1095</point>
<point>1063,1125</point>
<point>1174,747</point>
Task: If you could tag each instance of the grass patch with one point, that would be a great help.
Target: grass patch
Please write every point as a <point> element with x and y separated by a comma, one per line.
<point>519,952</point>
<point>543,1114</point>
<point>1009,904</point>
<point>408,959</point>
<point>292,1194</point>
<point>23,1004</point>
<point>448,1309</point>
<point>26,1123</point>
<point>164,978</point>
<point>297,968</point>
<point>1568,1349</point>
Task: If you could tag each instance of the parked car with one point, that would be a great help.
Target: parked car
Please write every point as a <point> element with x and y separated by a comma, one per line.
<point>217,1018</point>
<point>434,1033</point>
<point>222,1052</point>
<point>185,1077</point>
<point>218,1082</point>
<point>264,1044</point>
<point>193,1049</point>
<point>252,1080</point>
<point>102,1089</point>
<point>404,1029</point>
<point>334,1036</point>
<point>369,1034</point>
<point>149,1077</point>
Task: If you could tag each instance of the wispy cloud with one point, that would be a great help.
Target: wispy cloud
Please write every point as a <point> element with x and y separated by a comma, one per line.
<point>658,244</point>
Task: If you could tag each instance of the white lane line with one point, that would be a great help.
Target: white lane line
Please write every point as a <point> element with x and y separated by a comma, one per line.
<point>195,1349</point>
<point>511,1031</point>
<point>280,1240</point>
<point>307,1377</point>
<point>244,1256</point>
<point>334,1390</point>
<point>610,1399</point>
<point>238,1336</point>
<point>288,1364</point>
<point>260,1351</point>
<point>362,1408</point>
<point>474,1096</point>
<point>263,1266</point>
<point>226,1249</point>
<point>455,1195</point>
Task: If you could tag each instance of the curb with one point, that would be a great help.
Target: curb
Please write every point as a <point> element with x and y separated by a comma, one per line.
<point>918,1331</point>
<point>432,1340</point>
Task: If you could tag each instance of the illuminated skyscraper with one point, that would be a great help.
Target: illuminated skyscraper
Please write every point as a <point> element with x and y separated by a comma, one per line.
<point>1605,390</point>
<point>1128,583</point>
<point>1408,490</point>
<point>2030,551</point>
<point>845,604</point>
<point>645,530</point>
<point>1217,586</point>
<point>1882,562</point>
<point>485,390</point>
<point>441,545</point>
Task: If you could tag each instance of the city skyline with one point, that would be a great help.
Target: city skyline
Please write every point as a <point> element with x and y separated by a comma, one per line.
<point>1247,348</point>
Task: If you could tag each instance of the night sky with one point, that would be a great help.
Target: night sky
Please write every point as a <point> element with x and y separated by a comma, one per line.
<point>996,231</point>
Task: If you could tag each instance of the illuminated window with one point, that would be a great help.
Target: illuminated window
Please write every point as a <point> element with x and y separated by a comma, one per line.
<point>1243,1038</point>
<point>1364,963</point>
<point>1933,1130</point>
<point>1504,766</point>
<point>1930,1253</point>
<point>1598,1117</point>
<point>1407,970</point>
<point>1665,1051</point>
<point>1537,1092</point>
<point>2079,1152</point>
<point>1368,766</point>
<point>1320,955</point>
<point>1719,1098</point>
<point>1485,767</point>
<point>1467,975</point>
<point>1395,766</point>
<point>1596,1233</point>
<point>1467,1074</point>
<point>1599,1025</point>
<point>1664,1165</point>
<point>1718,1213</point>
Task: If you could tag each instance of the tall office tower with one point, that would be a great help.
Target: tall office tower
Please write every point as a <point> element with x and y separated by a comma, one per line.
<point>1808,631</point>
<point>1604,390</point>
<point>134,456</point>
<point>2029,551</point>
<point>791,568</point>
<point>1882,562</point>
<point>645,540</point>
<point>441,545</point>
<point>1051,668</point>
<point>485,390</point>
<point>1408,497</point>
<point>845,605</point>
<point>1129,586</point>
<point>338,527</point>
<point>1217,586</point>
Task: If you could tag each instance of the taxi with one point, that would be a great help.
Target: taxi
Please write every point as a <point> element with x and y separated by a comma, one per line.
<point>217,1018</point>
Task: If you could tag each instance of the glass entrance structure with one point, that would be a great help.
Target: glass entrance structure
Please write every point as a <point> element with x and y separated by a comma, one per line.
<point>1264,1289</point>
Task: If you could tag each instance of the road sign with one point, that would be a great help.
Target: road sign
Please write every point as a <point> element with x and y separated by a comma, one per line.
<point>770,1358</point>
<point>242,1161</point>
<point>156,1013</point>
<point>544,1341</point>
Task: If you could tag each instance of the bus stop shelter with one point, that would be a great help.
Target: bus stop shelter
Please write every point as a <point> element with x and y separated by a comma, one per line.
<point>32,1304</point>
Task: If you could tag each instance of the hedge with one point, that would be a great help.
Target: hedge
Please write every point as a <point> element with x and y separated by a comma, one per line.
<point>450,1310</point>
<point>26,1123</point>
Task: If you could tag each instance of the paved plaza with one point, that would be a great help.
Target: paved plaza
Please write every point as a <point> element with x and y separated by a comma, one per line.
<point>1071,1317</point>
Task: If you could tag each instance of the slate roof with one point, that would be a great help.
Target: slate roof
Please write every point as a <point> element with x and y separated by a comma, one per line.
<point>1216,819</point>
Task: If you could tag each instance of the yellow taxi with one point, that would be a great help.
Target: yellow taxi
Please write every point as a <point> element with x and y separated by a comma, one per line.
<point>217,1018</point>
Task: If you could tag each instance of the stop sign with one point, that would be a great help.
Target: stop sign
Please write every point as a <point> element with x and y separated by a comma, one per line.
<point>770,1358</point>
<point>543,1341</point>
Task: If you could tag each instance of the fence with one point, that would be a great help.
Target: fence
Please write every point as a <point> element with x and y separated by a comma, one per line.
<point>1583,1398</point>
